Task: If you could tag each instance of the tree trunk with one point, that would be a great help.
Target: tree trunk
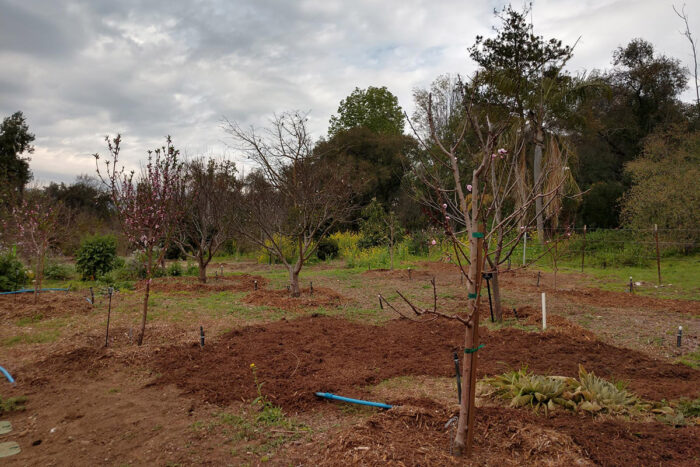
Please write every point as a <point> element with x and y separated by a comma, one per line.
<point>464,437</point>
<point>294,282</point>
<point>202,271</point>
<point>145,312</point>
<point>149,274</point>
<point>537,172</point>
<point>391,255</point>
<point>37,280</point>
<point>496,296</point>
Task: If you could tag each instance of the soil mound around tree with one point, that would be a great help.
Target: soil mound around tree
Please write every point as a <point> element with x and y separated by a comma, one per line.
<point>320,298</point>
<point>49,305</point>
<point>237,283</point>
<point>296,358</point>
<point>409,435</point>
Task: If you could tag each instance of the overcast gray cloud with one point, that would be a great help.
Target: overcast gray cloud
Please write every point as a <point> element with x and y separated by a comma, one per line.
<point>83,69</point>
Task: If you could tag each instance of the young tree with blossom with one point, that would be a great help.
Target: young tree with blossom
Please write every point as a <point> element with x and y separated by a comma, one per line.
<point>146,204</point>
<point>294,195</point>
<point>36,224</point>
<point>468,185</point>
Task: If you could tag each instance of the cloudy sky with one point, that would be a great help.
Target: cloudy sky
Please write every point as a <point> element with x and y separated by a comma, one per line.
<point>80,70</point>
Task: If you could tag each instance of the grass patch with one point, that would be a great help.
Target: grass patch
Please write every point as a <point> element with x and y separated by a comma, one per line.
<point>692,360</point>
<point>508,323</point>
<point>12,404</point>
<point>680,276</point>
<point>42,337</point>
<point>689,408</point>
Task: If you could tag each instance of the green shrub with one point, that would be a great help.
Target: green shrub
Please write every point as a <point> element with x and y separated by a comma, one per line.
<point>418,243</point>
<point>58,271</point>
<point>327,249</point>
<point>288,247</point>
<point>12,273</point>
<point>134,268</point>
<point>96,256</point>
<point>191,269</point>
<point>175,269</point>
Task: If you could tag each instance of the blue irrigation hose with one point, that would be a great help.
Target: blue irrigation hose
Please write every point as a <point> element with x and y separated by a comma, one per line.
<point>7,375</point>
<point>32,290</point>
<point>328,395</point>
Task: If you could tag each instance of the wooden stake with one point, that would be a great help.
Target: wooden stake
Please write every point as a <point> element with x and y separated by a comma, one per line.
<point>583,249</point>
<point>658,256</point>
<point>471,342</point>
<point>109,312</point>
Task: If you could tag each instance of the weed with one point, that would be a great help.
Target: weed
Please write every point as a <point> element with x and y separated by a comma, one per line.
<point>12,404</point>
<point>689,408</point>
<point>692,359</point>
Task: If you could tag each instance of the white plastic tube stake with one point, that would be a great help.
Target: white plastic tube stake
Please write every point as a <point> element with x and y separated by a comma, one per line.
<point>544,312</point>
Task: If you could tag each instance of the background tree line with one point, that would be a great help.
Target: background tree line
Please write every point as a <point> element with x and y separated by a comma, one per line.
<point>619,145</point>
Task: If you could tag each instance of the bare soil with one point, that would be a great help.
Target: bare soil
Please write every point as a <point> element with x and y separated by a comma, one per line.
<point>160,404</point>
<point>49,305</point>
<point>320,298</point>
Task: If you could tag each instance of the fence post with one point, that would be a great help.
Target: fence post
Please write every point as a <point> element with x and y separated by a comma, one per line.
<point>583,249</point>
<point>524,247</point>
<point>658,256</point>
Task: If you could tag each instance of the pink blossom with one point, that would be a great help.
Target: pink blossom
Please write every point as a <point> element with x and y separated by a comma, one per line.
<point>444,206</point>
<point>433,242</point>
<point>494,155</point>
<point>469,188</point>
<point>502,152</point>
<point>447,218</point>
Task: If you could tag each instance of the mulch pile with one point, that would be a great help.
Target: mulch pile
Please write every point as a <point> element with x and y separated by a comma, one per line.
<point>411,435</point>
<point>320,298</point>
<point>237,283</point>
<point>49,305</point>
<point>296,358</point>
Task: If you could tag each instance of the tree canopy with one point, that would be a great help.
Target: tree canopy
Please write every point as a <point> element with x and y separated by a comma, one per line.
<point>376,109</point>
<point>15,140</point>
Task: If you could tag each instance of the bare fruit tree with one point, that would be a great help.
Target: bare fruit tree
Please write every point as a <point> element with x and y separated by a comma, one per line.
<point>473,200</point>
<point>294,196</point>
<point>146,205</point>
<point>693,48</point>
<point>36,222</point>
<point>208,197</point>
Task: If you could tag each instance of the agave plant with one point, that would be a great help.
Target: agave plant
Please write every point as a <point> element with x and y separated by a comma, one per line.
<point>589,393</point>
<point>526,389</point>
<point>594,394</point>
